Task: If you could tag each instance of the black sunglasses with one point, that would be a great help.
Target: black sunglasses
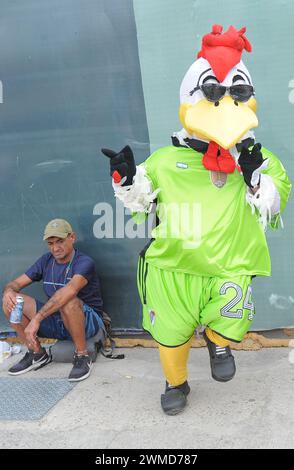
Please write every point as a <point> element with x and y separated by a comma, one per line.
<point>215,92</point>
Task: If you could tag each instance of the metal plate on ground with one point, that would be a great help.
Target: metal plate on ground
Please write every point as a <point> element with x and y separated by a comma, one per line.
<point>30,399</point>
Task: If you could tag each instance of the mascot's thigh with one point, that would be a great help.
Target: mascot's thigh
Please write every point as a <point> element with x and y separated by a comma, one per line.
<point>230,310</point>
<point>170,303</point>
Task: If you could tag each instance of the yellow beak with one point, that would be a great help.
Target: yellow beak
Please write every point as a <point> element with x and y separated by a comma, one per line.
<point>224,124</point>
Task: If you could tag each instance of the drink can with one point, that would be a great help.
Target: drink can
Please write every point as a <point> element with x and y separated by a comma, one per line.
<point>16,314</point>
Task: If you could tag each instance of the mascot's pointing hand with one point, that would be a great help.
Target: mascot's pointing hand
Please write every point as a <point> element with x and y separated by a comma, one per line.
<point>251,163</point>
<point>122,165</point>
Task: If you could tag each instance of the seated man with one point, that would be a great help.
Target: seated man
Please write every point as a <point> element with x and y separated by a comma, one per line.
<point>73,308</point>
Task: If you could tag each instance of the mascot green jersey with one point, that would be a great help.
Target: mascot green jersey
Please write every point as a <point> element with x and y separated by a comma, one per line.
<point>216,190</point>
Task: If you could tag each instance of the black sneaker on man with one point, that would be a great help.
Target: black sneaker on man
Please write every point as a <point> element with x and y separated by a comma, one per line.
<point>82,366</point>
<point>222,361</point>
<point>174,400</point>
<point>31,361</point>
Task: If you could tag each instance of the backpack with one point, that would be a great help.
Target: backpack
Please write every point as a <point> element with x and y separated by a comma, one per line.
<point>108,345</point>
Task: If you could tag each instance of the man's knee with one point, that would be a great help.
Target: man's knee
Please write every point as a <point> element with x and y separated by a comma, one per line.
<point>29,307</point>
<point>71,306</point>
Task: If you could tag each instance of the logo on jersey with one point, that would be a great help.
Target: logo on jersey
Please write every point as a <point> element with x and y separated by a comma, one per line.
<point>218,178</point>
<point>152,316</point>
<point>182,165</point>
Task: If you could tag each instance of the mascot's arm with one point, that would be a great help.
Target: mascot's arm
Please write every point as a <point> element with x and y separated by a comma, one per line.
<point>133,185</point>
<point>138,196</point>
<point>271,197</point>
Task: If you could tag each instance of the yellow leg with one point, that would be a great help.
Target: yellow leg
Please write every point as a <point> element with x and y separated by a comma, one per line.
<point>174,363</point>
<point>216,338</point>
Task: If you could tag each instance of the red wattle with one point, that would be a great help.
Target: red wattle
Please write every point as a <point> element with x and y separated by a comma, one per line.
<point>217,158</point>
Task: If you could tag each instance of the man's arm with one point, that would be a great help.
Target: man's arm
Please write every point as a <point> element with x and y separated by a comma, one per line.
<point>56,302</point>
<point>12,288</point>
<point>62,296</point>
<point>17,284</point>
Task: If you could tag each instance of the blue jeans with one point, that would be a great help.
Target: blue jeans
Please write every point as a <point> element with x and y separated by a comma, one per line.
<point>53,326</point>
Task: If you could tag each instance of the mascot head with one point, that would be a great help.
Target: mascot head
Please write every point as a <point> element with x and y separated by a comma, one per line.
<point>217,94</point>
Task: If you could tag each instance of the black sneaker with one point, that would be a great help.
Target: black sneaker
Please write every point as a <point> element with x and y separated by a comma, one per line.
<point>174,400</point>
<point>222,361</point>
<point>31,360</point>
<point>82,366</point>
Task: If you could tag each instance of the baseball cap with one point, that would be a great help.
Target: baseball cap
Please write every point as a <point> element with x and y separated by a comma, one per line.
<point>57,228</point>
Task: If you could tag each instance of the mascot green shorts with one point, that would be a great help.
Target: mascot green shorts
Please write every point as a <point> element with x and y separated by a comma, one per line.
<point>176,303</point>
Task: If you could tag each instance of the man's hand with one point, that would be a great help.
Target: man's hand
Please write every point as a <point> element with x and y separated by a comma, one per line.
<point>9,299</point>
<point>31,331</point>
<point>251,163</point>
<point>122,165</point>
<point>12,289</point>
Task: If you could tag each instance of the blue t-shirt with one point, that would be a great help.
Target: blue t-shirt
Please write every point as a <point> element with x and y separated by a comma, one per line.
<point>55,275</point>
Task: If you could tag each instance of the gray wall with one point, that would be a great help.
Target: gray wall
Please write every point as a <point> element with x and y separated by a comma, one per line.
<point>77,75</point>
<point>71,85</point>
<point>169,38</point>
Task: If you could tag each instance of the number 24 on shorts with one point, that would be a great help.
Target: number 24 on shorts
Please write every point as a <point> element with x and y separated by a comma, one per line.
<point>227,311</point>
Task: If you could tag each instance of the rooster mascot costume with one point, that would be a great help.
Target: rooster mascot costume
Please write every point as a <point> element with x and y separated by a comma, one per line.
<point>215,191</point>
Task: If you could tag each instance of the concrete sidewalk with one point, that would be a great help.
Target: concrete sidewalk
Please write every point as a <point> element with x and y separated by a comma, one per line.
<point>118,406</point>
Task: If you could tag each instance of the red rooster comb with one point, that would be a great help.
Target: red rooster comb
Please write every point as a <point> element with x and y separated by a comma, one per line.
<point>223,50</point>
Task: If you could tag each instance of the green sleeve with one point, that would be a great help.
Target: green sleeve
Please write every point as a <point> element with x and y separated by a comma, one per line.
<point>139,217</point>
<point>280,179</point>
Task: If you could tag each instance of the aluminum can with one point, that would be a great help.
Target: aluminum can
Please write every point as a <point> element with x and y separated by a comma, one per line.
<point>16,314</point>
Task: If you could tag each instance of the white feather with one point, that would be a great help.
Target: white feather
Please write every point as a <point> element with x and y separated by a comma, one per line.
<point>266,200</point>
<point>139,196</point>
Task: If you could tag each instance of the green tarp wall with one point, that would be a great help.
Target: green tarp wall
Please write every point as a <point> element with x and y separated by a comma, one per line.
<point>78,75</point>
